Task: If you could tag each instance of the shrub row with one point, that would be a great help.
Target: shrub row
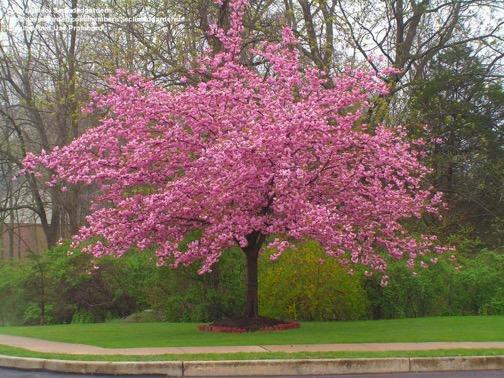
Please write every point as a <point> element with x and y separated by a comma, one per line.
<point>62,287</point>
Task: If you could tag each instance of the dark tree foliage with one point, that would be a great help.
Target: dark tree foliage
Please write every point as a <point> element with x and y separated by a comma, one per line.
<point>464,114</point>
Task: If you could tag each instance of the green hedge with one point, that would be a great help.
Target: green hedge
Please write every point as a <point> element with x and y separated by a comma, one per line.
<point>304,284</point>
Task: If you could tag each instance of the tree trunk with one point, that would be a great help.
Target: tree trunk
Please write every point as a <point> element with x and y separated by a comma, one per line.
<point>255,241</point>
<point>252,306</point>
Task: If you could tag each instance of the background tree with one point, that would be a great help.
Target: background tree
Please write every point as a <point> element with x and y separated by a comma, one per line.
<point>461,110</point>
<point>40,94</point>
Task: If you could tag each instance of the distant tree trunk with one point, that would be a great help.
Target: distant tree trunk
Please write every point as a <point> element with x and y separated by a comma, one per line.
<point>2,246</point>
<point>41,288</point>
<point>72,199</point>
<point>255,241</point>
<point>42,304</point>
<point>11,228</point>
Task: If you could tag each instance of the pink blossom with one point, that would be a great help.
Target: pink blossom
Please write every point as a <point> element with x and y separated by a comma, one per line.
<point>281,155</point>
<point>384,280</point>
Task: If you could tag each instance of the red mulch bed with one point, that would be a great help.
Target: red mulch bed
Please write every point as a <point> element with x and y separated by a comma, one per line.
<point>248,325</point>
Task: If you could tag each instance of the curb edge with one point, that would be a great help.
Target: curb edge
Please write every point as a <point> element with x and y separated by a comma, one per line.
<point>259,367</point>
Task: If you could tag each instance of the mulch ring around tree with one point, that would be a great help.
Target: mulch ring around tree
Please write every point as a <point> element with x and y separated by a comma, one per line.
<point>248,325</point>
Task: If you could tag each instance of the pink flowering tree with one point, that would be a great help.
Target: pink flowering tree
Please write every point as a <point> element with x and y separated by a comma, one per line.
<point>252,158</point>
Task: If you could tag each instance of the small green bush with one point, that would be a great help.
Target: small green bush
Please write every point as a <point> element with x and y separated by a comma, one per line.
<point>81,317</point>
<point>13,300</point>
<point>62,286</point>
<point>470,286</point>
<point>183,295</point>
<point>479,285</point>
<point>306,284</point>
<point>429,293</point>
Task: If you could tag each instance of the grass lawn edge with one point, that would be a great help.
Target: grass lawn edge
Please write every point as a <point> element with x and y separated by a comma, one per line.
<point>162,334</point>
<point>20,352</point>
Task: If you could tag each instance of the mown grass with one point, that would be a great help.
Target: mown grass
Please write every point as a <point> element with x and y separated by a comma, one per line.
<point>18,352</point>
<point>128,335</point>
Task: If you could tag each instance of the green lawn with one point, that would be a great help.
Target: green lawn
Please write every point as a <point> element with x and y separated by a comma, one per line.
<point>124,335</point>
<point>18,352</point>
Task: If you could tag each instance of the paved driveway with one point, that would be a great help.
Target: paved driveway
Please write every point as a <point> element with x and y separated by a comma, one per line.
<point>45,346</point>
<point>13,373</point>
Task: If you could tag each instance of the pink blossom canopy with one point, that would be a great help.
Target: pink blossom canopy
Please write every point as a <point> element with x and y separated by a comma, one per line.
<point>248,150</point>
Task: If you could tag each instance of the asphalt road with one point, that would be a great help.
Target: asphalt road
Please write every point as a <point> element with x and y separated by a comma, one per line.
<point>11,373</point>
